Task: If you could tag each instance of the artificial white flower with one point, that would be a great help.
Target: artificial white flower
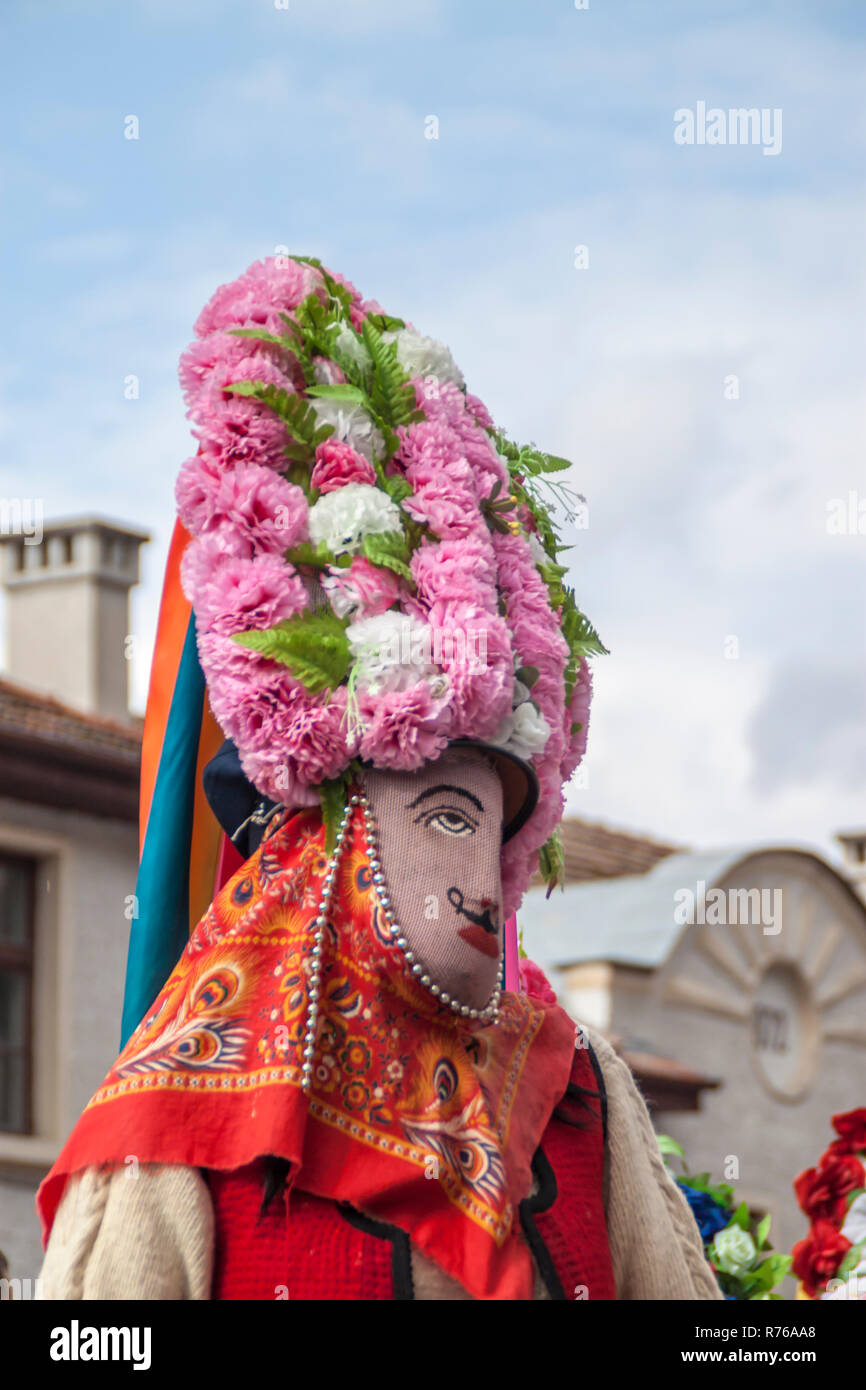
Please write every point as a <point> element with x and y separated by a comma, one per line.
<point>524,732</point>
<point>350,345</point>
<point>391,651</point>
<point>424,356</point>
<point>352,425</point>
<point>733,1250</point>
<point>343,518</point>
<point>539,554</point>
<point>326,372</point>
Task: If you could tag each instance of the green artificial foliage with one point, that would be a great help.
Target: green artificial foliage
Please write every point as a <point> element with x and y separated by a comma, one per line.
<point>392,394</point>
<point>333,797</point>
<point>389,550</point>
<point>314,646</point>
<point>318,556</point>
<point>551,862</point>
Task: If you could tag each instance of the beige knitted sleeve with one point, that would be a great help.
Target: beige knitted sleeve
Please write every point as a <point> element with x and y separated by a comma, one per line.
<point>654,1240</point>
<point>147,1237</point>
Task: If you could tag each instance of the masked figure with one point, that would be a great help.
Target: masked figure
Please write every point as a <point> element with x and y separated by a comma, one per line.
<point>334,1095</point>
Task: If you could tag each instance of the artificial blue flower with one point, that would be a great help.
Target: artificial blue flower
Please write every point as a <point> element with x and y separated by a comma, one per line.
<point>708,1213</point>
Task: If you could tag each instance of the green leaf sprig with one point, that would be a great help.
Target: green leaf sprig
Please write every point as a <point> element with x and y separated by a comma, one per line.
<point>551,862</point>
<point>314,647</point>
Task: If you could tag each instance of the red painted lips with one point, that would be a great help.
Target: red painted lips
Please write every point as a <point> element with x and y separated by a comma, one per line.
<point>484,941</point>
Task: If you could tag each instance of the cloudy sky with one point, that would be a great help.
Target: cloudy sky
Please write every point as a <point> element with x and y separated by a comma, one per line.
<point>702,364</point>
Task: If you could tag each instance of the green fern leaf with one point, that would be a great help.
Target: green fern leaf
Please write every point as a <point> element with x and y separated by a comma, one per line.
<point>343,391</point>
<point>386,323</point>
<point>308,554</point>
<point>314,646</point>
<point>261,335</point>
<point>389,550</point>
<point>392,394</point>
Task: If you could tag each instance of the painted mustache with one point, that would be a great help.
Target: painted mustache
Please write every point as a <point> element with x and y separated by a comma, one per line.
<point>481,919</point>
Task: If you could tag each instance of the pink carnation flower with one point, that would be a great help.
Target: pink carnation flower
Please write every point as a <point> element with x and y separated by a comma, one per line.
<point>258,295</point>
<point>577,713</point>
<point>230,594</point>
<point>457,569</point>
<point>338,463</point>
<point>403,730</point>
<point>473,648</point>
<point>534,982</point>
<point>364,590</point>
<point>219,351</point>
<point>479,411</point>
<point>230,668</point>
<point>239,429</point>
<point>449,509</point>
<point>272,774</point>
<point>371,306</point>
<point>445,405</point>
<point>251,509</point>
<point>289,741</point>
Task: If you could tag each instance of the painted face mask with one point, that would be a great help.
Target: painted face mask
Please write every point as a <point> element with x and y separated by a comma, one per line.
<point>441,841</point>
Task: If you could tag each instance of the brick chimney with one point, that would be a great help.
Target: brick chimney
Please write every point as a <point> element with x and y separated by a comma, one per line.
<point>67,610</point>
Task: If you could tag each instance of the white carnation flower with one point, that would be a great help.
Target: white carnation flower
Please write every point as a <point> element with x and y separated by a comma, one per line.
<point>352,425</point>
<point>350,345</point>
<point>343,518</point>
<point>524,732</point>
<point>539,554</point>
<point>424,356</point>
<point>326,372</point>
<point>391,651</point>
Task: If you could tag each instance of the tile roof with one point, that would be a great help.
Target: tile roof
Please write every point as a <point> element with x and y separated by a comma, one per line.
<point>594,851</point>
<point>28,715</point>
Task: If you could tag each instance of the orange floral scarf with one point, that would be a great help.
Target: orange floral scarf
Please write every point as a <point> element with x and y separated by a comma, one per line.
<point>422,1119</point>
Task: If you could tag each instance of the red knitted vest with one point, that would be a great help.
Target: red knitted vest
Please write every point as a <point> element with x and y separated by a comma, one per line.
<point>320,1249</point>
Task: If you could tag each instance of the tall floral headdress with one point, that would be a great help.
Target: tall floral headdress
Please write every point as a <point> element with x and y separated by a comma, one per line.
<point>374,566</point>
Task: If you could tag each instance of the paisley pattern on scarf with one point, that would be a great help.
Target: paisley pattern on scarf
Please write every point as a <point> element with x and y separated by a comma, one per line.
<point>428,1120</point>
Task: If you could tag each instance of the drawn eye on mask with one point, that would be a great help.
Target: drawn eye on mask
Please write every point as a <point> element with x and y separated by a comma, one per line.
<point>444,816</point>
<point>448,820</point>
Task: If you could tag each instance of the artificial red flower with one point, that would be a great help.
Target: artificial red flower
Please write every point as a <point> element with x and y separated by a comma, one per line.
<point>852,1128</point>
<point>337,464</point>
<point>534,982</point>
<point>821,1191</point>
<point>817,1258</point>
<point>840,1147</point>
